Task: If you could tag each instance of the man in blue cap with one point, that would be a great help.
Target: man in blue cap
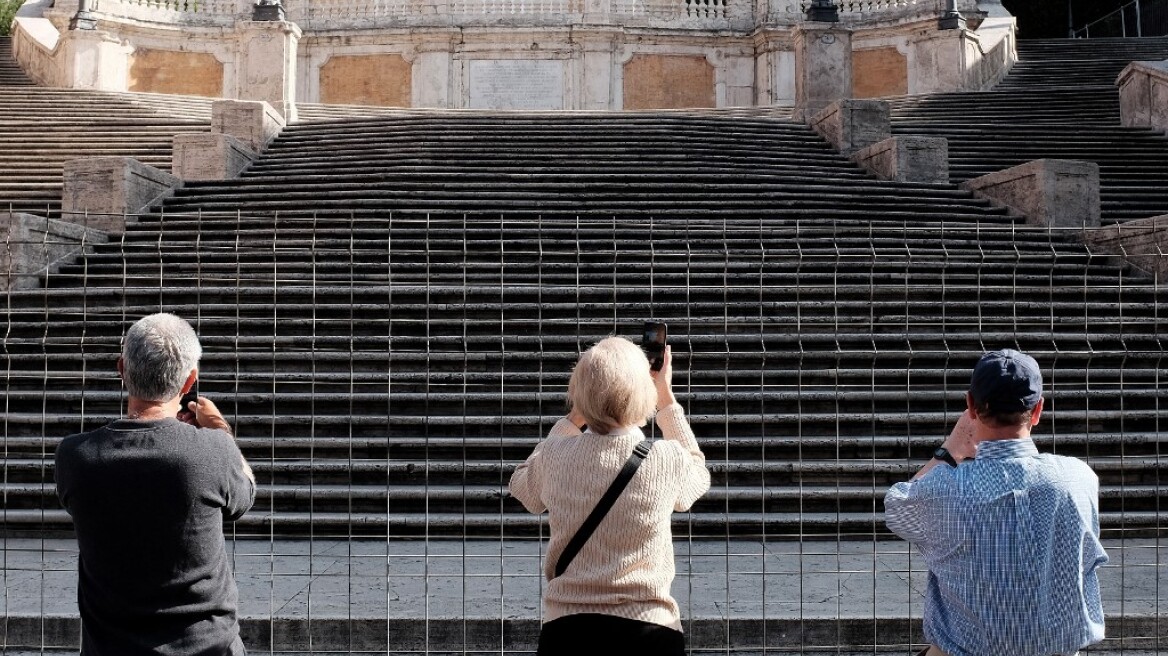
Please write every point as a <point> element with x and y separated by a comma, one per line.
<point>1010,536</point>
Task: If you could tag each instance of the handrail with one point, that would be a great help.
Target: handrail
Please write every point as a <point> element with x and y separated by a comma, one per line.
<point>1140,5</point>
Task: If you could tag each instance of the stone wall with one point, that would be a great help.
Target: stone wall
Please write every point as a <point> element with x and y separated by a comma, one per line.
<point>177,72</point>
<point>668,82</point>
<point>383,80</point>
<point>879,72</point>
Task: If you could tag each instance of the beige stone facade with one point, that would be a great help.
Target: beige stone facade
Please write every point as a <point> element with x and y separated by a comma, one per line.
<point>523,54</point>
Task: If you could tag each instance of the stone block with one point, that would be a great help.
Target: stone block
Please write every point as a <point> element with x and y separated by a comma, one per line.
<point>1057,193</point>
<point>851,125</point>
<point>210,156</point>
<point>907,159</point>
<point>253,122</point>
<point>1142,243</point>
<point>34,246</point>
<point>823,67</point>
<point>105,189</point>
<point>1143,95</point>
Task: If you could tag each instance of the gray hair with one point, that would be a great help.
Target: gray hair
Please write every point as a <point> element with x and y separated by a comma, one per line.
<point>158,354</point>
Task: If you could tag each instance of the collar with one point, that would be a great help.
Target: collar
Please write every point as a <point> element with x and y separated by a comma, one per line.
<point>1022,447</point>
<point>619,432</point>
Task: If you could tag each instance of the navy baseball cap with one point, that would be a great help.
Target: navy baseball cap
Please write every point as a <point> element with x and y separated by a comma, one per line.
<point>1006,380</point>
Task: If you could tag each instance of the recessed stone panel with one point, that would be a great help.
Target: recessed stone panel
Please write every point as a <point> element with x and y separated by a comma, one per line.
<point>169,71</point>
<point>878,72</point>
<point>516,84</point>
<point>379,80</point>
<point>668,82</point>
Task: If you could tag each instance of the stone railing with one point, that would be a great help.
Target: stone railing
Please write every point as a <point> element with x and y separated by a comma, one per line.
<point>348,14</point>
<point>181,12</point>
<point>857,11</point>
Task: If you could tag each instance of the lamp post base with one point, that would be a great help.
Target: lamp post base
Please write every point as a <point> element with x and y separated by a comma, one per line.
<point>952,20</point>
<point>823,11</point>
<point>83,20</point>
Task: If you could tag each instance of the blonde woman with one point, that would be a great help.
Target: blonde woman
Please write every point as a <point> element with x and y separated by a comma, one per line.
<point>614,595</point>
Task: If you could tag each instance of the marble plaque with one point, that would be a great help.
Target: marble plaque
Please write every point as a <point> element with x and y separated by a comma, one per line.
<point>516,84</point>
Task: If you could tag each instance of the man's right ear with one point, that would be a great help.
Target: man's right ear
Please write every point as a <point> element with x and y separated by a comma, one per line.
<point>121,367</point>
<point>970,406</point>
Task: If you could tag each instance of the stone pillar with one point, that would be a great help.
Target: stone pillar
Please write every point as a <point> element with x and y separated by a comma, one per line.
<point>937,62</point>
<point>1057,193</point>
<point>907,159</point>
<point>432,84</point>
<point>850,125</point>
<point>1143,95</point>
<point>253,122</point>
<point>102,191</point>
<point>599,71</point>
<point>210,156</point>
<point>823,67</point>
<point>267,64</point>
<point>96,60</point>
<point>1142,243</point>
<point>31,246</point>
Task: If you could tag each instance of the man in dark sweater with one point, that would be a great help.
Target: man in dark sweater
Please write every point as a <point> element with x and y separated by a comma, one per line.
<point>148,495</point>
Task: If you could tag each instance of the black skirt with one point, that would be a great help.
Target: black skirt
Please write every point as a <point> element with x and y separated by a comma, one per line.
<point>608,635</point>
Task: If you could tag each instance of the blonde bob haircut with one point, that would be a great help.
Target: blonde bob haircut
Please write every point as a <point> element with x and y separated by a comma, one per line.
<point>612,387</point>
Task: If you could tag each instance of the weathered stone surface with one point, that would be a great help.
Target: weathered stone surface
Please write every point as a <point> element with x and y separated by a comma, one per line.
<point>210,156</point>
<point>1143,95</point>
<point>1142,243</point>
<point>382,80</point>
<point>654,81</point>
<point>823,67</point>
<point>105,189</point>
<point>907,159</point>
<point>169,71</point>
<point>1049,192</point>
<point>515,84</point>
<point>879,72</point>
<point>33,246</point>
<point>853,124</point>
<point>268,51</point>
<point>253,122</point>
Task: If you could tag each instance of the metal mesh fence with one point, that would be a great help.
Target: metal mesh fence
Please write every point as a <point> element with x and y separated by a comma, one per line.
<point>386,373</point>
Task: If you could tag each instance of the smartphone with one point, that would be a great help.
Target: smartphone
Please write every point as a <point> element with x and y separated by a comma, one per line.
<point>654,343</point>
<point>192,395</point>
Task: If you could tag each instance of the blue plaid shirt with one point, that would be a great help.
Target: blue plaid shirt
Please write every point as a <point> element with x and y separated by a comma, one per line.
<point>1011,540</point>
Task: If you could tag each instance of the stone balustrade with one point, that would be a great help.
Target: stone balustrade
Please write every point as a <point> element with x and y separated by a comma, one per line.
<point>343,14</point>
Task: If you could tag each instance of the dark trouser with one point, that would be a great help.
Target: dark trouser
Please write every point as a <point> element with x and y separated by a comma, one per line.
<point>608,635</point>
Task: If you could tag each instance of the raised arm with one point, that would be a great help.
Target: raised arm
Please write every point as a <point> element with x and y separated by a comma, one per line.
<point>692,471</point>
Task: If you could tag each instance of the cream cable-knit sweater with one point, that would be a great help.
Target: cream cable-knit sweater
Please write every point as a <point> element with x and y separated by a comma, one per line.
<point>626,567</point>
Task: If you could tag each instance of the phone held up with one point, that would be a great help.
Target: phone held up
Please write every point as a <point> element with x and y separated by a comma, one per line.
<point>654,343</point>
<point>184,412</point>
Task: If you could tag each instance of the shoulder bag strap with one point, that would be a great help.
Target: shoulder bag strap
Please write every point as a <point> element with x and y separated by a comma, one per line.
<point>603,506</point>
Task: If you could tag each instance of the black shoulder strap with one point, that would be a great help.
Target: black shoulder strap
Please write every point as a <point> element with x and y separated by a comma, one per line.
<point>640,452</point>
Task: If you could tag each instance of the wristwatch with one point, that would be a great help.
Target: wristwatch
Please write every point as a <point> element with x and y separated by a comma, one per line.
<point>943,454</point>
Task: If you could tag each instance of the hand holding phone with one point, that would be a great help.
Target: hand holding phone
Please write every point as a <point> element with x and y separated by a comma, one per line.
<point>653,342</point>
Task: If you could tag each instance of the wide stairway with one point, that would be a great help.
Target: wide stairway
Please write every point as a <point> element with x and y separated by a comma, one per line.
<point>42,128</point>
<point>1060,101</point>
<point>390,309</point>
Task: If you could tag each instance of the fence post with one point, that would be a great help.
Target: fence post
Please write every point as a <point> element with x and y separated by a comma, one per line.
<point>1139,20</point>
<point>1123,23</point>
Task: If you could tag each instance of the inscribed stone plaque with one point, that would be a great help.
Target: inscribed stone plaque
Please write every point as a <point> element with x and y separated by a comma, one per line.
<point>516,84</point>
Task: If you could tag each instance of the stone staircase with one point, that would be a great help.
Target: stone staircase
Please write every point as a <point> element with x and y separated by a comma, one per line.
<point>11,75</point>
<point>390,308</point>
<point>42,128</point>
<point>1060,101</point>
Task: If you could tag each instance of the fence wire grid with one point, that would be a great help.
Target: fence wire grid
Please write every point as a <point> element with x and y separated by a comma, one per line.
<point>384,375</point>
